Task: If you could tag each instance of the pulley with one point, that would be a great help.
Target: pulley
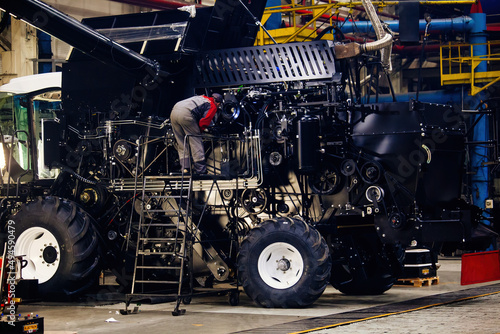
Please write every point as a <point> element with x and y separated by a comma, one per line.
<point>227,194</point>
<point>371,172</point>
<point>254,201</point>
<point>122,150</point>
<point>327,182</point>
<point>275,158</point>
<point>374,194</point>
<point>348,167</point>
<point>89,197</point>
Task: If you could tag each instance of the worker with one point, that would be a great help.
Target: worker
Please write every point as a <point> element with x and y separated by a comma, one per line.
<point>189,118</point>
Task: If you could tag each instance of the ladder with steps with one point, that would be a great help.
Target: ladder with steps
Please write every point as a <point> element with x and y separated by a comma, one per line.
<point>163,268</point>
<point>164,255</point>
<point>164,244</point>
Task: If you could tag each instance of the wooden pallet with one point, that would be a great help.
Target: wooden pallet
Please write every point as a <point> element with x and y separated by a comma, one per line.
<point>418,282</point>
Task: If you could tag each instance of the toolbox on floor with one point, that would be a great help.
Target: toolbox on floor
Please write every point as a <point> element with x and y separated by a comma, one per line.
<point>418,264</point>
<point>21,325</point>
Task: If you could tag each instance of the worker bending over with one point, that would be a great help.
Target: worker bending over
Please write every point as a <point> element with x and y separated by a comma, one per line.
<point>190,117</point>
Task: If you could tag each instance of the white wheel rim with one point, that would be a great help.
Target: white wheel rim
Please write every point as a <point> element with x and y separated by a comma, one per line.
<point>41,250</point>
<point>280,265</point>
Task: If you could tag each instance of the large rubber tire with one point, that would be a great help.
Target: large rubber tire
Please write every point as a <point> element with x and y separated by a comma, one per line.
<point>60,246</point>
<point>284,263</point>
<point>363,266</point>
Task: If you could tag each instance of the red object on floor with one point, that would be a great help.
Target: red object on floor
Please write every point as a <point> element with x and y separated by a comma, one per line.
<point>480,267</point>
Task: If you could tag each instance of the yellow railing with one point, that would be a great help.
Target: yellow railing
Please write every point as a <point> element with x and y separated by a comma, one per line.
<point>302,20</point>
<point>459,64</point>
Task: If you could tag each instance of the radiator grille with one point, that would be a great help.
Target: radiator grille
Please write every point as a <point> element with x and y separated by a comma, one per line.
<point>266,64</point>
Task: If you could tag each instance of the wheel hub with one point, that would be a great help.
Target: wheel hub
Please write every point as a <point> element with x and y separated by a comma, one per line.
<point>50,254</point>
<point>283,264</point>
<point>275,265</point>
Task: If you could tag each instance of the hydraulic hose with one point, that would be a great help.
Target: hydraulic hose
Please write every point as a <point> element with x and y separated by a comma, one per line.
<point>382,43</point>
<point>384,39</point>
<point>372,15</point>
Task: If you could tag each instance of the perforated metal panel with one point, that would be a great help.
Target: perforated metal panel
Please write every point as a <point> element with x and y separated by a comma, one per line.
<point>266,64</point>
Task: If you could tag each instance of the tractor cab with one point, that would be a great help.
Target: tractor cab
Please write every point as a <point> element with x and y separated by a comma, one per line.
<point>25,104</point>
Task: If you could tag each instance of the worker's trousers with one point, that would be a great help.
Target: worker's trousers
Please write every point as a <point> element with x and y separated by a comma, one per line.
<point>188,136</point>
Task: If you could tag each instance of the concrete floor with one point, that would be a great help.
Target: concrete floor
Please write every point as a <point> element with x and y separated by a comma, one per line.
<point>215,315</point>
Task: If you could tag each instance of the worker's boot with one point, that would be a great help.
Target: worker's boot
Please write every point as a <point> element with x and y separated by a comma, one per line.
<point>200,167</point>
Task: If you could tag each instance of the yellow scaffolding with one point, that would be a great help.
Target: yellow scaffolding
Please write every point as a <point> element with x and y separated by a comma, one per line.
<point>303,20</point>
<point>459,64</point>
<point>301,27</point>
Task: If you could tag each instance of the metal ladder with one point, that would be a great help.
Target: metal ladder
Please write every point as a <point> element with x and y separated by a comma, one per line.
<point>166,203</point>
<point>164,255</point>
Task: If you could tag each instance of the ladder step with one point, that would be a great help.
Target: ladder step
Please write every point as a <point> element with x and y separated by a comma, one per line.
<point>160,239</point>
<point>159,267</point>
<point>145,294</point>
<point>162,282</point>
<point>155,253</point>
<point>167,212</point>
<point>160,225</point>
<point>164,210</point>
<point>181,229</point>
<point>167,215</point>
<point>160,210</point>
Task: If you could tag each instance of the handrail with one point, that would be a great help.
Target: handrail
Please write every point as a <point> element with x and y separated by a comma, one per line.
<point>458,64</point>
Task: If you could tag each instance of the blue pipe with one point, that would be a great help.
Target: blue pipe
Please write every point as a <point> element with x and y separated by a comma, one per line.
<point>274,21</point>
<point>479,154</point>
<point>461,24</point>
<point>478,35</point>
